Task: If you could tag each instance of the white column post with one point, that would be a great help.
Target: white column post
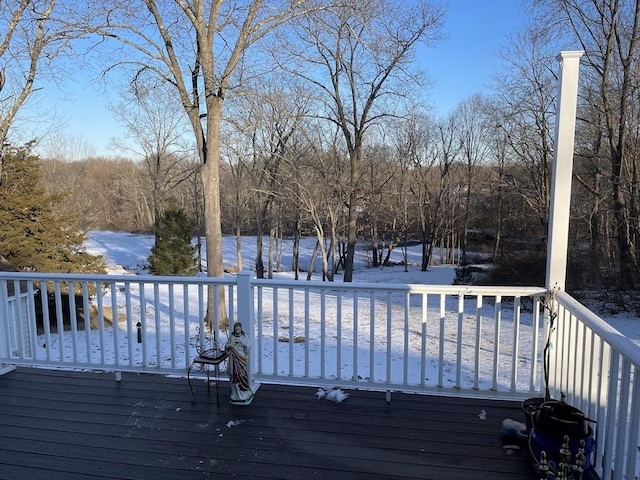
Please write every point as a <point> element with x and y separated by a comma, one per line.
<point>559,209</point>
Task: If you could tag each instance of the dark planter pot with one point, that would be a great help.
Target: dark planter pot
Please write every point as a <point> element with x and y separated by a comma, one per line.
<point>540,441</point>
<point>548,422</point>
<point>559,419</point>
<point>529,407</point>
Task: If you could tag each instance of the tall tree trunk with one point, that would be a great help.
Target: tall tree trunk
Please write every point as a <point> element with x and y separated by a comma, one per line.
<point>627,259</point>
<point>352,214</point>
<point>210,174</point>
<point>271,252</point>
<point>238,248</point>
<point>295,264</point>
<point>259,253</point>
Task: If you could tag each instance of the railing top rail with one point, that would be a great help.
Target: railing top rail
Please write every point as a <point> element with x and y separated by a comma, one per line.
<point>79,277</point>
<point>609,334</point>
<point>284,283</point>
<point>403,287</point>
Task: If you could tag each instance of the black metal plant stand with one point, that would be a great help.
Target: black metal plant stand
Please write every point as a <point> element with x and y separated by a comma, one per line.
<point>210,354</point>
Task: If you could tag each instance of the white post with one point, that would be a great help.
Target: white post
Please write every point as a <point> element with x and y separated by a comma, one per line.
<point>559,209</point>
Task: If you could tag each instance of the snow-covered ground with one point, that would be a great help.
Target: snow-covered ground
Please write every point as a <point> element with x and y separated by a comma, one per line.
<point>126,252</point>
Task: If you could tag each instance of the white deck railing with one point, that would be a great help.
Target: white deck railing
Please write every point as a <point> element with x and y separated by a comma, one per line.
<point>598,370</point>
<point>451,340</point>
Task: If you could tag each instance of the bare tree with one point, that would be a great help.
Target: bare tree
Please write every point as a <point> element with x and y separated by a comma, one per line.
<point>267,117</point>
<point>473,131</point>
<point>317,195</point>
<point>66,148</point>
<point>609,33</point>
<point>200,48</point>
<point>526,102</point>
<point>381,199</point>
<point>236,176</point>
<point>157,130</point>
<point>354,56</point>
<point>495,205</point>
<point>432,148</point>
<point>30,38</point>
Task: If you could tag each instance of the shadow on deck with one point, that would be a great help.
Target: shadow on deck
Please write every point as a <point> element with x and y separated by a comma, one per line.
<point>69,425</point>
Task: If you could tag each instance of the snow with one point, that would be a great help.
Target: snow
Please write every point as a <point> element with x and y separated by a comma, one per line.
<point>234,423</point>
<point>337,395</point>
<point>513,428</point>
<point>127,253</point>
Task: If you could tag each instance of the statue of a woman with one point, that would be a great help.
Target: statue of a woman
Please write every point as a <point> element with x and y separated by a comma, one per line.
<point>237,365</point>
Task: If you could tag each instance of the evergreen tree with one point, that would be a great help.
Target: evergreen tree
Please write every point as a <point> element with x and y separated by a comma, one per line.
<point>172,252</point>
<point>34,235</point>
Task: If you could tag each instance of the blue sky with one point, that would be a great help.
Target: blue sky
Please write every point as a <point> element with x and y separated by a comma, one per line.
<point>465,62</point>
<point>460,65</point>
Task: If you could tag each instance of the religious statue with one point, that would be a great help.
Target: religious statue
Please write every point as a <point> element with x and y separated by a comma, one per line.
<point>237,348</point>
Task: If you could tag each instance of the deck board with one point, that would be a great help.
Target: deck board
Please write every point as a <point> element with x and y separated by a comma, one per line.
<point>76,426</point>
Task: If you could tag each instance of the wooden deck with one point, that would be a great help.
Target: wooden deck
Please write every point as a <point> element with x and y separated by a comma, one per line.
<point>67,425</point>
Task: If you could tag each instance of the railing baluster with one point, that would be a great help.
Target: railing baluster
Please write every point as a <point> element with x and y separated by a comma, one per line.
<point>86,308</point>
<point>231,306</point>
<point>5,334</point>
<point>441,339</point>
<point>172,324</point>
<point>608,452</point>
<point>275,330</point>
<point>594,354</point>
<point>354,338</point>
<point>260,336</point>
<point>291,331</point>
<point>307,337</point>
<point>323,332</point>
<point>31,320</point>
<point>634,427</point>
<point>46,321</point>
<point>423,339</point>
<point>143,323</point>
<point>130,335</point>
<point>15,336</point>
<point>622,426</point>
<point>157,324</point>
<point>100,302</point>
<point>59,319</point>
<point>515,343</point>
<point>73,320</point>
<point>338,372</point>
<point>496,341</point>
<point>187,323</point>
<point>581,368</point>
<point>459,340</point>
<point>560,347</point>
<point>476,363</point>
<point>573,346</point>
<point>602,389</point>
<point>372,335</point>
<point>534,384</point>
<point>116,326</point>
<point>407,358</point>
<point>389,336</point>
